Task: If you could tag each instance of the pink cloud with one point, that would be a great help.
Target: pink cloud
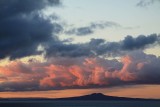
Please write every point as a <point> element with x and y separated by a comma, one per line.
<point>134,68</point>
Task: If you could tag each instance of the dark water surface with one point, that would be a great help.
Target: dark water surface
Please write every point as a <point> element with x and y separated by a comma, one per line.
<point>82,104</point>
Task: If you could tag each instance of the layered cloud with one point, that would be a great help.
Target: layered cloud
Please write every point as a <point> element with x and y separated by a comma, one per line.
<point>100,47</point>
<point>63,73</point>
<point>90,29</point>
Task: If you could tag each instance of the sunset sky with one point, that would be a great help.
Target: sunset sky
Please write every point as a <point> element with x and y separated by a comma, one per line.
<point>64,48</point>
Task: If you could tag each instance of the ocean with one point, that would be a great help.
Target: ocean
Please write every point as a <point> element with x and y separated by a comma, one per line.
<point>82,104</point>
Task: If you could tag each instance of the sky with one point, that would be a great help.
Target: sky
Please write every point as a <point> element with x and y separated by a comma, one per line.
<point>64,48</point>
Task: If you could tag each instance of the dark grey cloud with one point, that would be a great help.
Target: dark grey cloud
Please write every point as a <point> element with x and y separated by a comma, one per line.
<point>130,43</point>
<point>23,27</point>
<point>67,50</point>
<point>10,8</point>
<point>144,3</point>
<point>90,29</point>
<point>98,47</point>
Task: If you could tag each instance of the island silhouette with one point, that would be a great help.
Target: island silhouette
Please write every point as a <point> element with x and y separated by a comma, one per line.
<point>90,97</point>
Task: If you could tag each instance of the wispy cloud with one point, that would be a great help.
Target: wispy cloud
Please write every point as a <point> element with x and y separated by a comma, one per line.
<point>144,3</point>
<point>90,29</point>
<point>83,72</point>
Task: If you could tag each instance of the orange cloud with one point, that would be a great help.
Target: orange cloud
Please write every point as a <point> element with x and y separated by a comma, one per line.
<point>80,73</point>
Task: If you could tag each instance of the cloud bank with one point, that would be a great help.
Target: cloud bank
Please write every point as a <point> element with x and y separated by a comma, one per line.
<point>100,47</point>
<point>87,72</point>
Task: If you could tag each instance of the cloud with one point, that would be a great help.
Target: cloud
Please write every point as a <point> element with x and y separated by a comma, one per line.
<point>90,29</point>
<point>145,3</point>
<point>83,72</point>
<point>100,47</point>
<point>130,43</point>
<point>23,27</point>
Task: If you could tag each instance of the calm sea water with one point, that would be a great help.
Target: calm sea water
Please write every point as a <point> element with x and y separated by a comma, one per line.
<point>82,104</point>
